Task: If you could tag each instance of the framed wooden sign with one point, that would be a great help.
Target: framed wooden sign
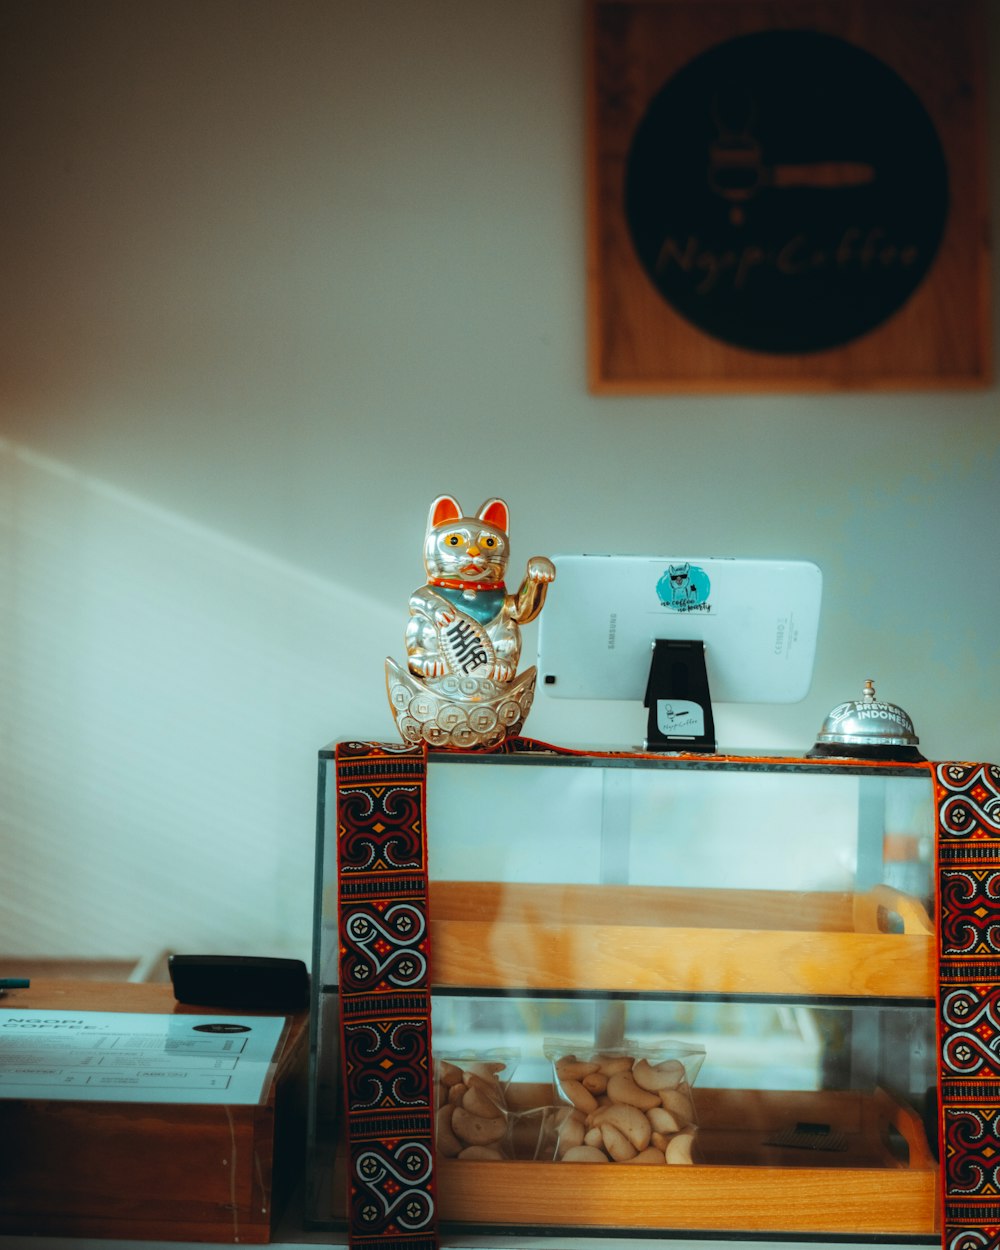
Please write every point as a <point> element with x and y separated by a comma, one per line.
<point>787,195</point>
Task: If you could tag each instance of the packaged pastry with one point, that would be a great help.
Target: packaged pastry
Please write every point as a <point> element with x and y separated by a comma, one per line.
<point>631,1104</point>
<point>471,1117</point>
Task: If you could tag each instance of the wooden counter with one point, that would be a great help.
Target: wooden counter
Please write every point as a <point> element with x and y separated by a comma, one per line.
<point>151,1170</point>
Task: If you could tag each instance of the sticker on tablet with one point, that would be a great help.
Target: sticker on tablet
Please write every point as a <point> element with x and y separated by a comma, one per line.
<point>684,588</point>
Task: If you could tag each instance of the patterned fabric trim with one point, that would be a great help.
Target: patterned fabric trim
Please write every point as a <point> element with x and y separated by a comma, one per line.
<point>967,798</point>
<point>533,746</point>
<point>385,999</point>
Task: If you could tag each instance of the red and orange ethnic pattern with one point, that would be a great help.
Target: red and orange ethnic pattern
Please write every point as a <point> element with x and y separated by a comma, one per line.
<point>385,995</point>
<point>968,865</point>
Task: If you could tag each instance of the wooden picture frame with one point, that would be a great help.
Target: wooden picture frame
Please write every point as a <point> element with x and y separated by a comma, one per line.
<point>887,302</point>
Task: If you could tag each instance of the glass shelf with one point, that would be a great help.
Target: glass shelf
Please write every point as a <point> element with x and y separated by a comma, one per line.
<point>776,913</point>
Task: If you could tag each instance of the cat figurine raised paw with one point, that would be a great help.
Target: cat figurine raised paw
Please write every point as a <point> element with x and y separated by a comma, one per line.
<point>463,641</point>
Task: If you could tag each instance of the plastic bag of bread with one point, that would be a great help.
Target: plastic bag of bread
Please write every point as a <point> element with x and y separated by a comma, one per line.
<point>472,1119</point>
<point>631,1104</point>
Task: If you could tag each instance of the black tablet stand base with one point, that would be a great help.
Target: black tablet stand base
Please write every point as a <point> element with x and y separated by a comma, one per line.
<point>678,698</point>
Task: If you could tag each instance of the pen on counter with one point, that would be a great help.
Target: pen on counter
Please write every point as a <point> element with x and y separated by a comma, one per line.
<point>13,983</point>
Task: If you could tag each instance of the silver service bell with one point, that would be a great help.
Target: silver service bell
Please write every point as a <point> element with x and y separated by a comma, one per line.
<point>867,729</point>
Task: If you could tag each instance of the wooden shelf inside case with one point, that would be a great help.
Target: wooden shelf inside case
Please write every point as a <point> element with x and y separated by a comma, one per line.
<point>639,939</point>
<point>868,1186</point>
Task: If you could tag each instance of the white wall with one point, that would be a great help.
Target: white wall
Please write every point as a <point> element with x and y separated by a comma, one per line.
<point>277,272</point>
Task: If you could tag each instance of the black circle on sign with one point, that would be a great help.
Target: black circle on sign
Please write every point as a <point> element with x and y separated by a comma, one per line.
<point>786,191</point>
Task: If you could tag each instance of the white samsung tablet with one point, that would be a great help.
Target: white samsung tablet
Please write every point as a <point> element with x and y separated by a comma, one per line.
<point>758,620</point>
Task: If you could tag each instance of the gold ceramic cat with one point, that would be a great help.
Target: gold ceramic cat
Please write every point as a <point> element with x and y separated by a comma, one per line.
<point>463,642</point>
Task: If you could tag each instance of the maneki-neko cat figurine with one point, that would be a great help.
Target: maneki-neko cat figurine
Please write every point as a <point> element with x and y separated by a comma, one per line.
<point>461,688</point>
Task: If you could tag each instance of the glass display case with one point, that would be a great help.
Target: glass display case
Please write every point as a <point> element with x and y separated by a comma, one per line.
<point>760,929</point>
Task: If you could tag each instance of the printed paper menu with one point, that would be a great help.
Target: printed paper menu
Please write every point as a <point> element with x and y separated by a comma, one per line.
<point>93,1056</point>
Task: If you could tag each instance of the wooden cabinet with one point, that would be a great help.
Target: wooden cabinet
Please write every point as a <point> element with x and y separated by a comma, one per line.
<point>775,912</point>
<point>159,1168</point>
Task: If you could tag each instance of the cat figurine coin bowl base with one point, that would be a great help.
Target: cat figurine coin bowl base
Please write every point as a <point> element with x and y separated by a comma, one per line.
<point>460,688</point>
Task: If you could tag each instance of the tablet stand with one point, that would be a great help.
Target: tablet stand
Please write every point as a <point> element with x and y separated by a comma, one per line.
<point>678,698</point>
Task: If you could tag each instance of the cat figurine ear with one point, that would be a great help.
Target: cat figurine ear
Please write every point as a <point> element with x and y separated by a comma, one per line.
<point>445,508</point>
<point>495,512</point>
